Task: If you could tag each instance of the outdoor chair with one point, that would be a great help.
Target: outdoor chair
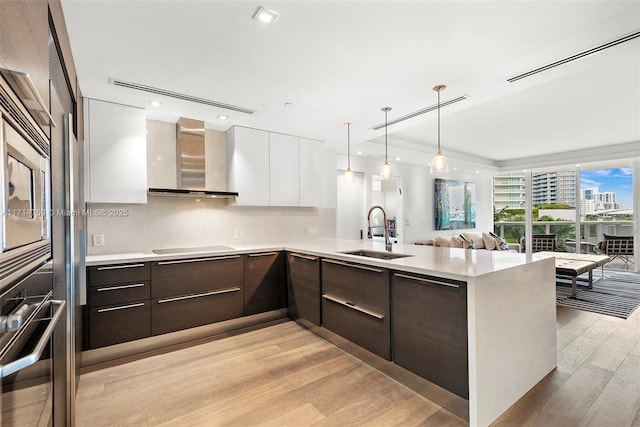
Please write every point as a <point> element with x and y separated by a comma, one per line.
<point>616,247</point>
<point>541,243</point>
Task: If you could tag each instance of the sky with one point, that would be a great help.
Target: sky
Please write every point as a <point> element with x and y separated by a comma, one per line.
<point>617,180</point>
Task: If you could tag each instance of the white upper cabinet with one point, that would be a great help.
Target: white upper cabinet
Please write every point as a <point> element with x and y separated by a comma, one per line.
<point>115,153</point>
<point>284,170</point>
<point>248,165</point>
<point>312,172</point>
<point>274,169</point>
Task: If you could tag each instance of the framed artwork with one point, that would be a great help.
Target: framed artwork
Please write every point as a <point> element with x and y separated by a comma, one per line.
<point>455,204</point>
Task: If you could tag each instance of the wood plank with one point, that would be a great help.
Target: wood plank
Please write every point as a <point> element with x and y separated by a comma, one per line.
<point>570,403</point>
<point>619,399</point>
<point>571,357</point>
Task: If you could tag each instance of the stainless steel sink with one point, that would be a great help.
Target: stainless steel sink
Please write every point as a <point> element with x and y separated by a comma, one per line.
<point>376,254</point>
<point>170,251</point>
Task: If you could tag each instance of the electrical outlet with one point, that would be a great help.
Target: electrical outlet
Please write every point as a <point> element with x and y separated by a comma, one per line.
<point>238,234</point>
<point>311,231</point>
<point>406,222</point>
<point>98,240</point>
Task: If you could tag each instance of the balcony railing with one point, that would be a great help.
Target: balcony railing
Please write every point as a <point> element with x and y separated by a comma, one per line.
<point>591,232</point>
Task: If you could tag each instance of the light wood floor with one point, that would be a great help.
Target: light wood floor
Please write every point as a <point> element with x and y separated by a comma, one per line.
<point>284,375</point>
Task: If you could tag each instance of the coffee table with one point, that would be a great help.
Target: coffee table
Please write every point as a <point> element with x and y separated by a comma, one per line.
<point>573,265</point>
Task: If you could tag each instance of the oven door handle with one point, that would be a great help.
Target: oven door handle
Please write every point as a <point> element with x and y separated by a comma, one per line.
<point>34,356</point>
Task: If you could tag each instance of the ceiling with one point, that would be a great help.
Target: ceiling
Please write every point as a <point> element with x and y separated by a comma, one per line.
<point>338,61</point>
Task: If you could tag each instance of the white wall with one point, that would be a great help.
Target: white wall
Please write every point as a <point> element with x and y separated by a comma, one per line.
<point>418,194</point>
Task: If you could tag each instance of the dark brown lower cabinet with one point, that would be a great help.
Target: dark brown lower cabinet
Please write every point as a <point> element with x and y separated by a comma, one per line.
<point>264,282</point>
<point>303,288</point>
<point>194,292</point>
<point>187,311</point>
<point>120,323</point>
<point>430,329</point>
<point>355,304</point>
<point>119,308</point>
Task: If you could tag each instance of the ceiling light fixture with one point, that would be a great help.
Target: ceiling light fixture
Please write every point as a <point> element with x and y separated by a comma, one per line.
<point>222,117</point>
<point>348,175</point>
<point>439,162</point>
<point>265,16</point>
<point>155,104</point>
<point>387,172</point>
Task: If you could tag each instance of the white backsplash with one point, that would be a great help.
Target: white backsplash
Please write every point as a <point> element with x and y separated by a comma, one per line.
<point>166,222</point>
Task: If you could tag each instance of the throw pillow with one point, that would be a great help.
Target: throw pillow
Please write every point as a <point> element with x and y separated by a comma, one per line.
<point>442,241</point>
<point>501,244</point>
<point>457,242</point>
<point>489,241</point>
<point>476,238</point>
<point>467,244</point>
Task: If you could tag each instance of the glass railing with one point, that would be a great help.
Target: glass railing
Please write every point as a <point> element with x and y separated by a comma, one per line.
<point>591,232</point>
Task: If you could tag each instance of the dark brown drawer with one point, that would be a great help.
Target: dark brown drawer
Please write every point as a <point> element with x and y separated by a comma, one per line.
<point>190,276</point>
<point>369,330</point>
<point>303,289</point>
<point>430,329</point>
<point>363,285</point>
<point>119,323</point>
<point>119,293</point>
<point>187,311</point>
<point>264,282</point>
<point>118,273</point>
<point>355,304</point>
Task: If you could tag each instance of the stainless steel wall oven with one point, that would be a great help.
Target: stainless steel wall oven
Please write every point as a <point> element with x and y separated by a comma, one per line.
<point>29,316</point>
<point>24,190</point>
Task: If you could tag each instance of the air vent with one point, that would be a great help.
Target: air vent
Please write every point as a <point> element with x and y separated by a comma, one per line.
<point>578,55</point>
<point>182,96</point>
<point>419,112</point>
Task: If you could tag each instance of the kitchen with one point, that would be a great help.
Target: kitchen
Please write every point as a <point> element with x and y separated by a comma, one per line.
<point>281,158</point>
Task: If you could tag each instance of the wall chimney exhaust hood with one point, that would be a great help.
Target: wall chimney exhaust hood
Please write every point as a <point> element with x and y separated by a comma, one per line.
<point>190,164</point>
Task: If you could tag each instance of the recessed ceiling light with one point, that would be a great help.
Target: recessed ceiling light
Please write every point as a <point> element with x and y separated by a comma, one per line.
<point>397,159</point>
<point>222,117</point>
<point>155,104</point>
<point>265,16</point>
<point>359,152</point>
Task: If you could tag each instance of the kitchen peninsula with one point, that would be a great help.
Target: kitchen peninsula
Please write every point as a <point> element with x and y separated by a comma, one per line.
<point>494,314</point>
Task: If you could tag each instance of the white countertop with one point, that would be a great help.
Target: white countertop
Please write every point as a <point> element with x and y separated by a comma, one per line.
<point>454,263</point>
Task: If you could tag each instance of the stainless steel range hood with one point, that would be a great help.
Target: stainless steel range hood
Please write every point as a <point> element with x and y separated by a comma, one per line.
<point>190,163</point>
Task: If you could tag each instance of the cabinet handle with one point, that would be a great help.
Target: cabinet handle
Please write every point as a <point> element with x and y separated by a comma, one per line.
<point>419,279</point>
<point>122,307</point>
<point>264,254</point>
<point>186,261</point>
<point>119,267</point>
<point>361,267</point>
<point>352,306</point>
<point>204,294</point>
<point>307,257</point>
<point>115,288</point>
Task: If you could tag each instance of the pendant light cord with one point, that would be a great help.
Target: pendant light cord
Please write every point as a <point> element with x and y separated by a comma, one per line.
<point>439,120</point>
<point>385,135</point>
<point>348,146</point>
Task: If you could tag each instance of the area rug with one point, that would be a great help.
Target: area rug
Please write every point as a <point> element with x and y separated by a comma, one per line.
<point>614,294</point>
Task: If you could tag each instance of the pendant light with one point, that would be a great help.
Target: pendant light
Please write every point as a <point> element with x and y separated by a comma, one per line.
<point>387,172</point>
<point>439,162</point>
<point>348,175</point>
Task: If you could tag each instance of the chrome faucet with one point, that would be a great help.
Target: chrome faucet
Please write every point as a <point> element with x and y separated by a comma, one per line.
<point>387,241</point>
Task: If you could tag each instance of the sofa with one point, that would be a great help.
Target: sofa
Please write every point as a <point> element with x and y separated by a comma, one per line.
<point>476,240</point>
